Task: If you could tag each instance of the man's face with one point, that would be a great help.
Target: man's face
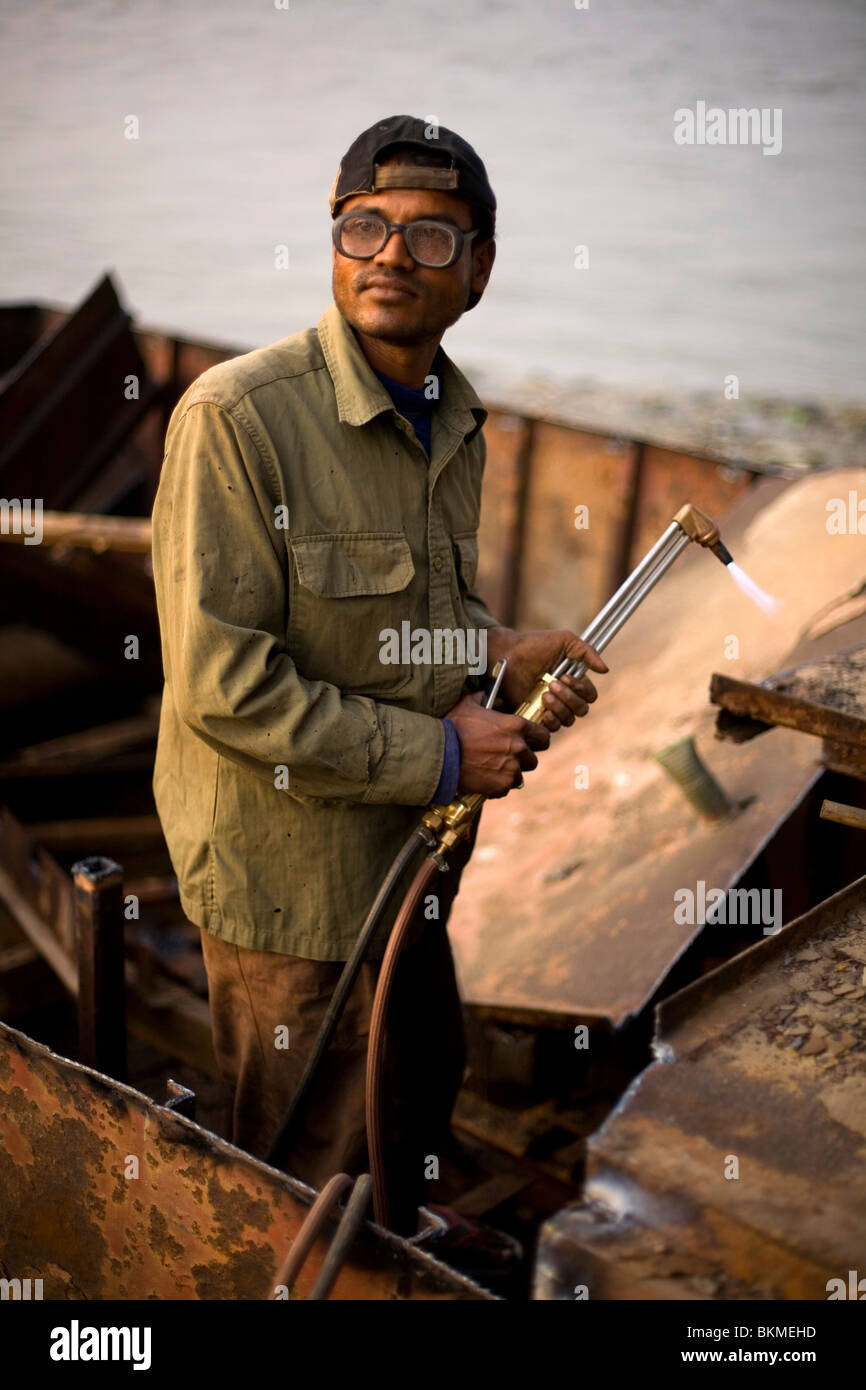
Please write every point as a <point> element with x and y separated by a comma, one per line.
<point>431,299</point>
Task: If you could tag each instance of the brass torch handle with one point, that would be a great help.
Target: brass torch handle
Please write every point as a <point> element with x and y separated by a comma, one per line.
<point>452,823</point>
<point>533,707</point>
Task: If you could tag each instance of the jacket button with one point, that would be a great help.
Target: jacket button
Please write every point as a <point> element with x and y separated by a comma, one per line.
<point>437,562</point>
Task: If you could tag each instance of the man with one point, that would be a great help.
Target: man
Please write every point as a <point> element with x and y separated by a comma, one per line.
<point>317,494</point>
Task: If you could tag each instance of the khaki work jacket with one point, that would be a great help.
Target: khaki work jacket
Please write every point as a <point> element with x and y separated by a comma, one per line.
<point>297,518</point>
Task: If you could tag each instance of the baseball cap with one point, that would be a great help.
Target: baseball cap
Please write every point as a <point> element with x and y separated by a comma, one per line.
<point>359,172</point>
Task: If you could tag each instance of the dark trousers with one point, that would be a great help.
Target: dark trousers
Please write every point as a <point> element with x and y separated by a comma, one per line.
<point>255,996</point>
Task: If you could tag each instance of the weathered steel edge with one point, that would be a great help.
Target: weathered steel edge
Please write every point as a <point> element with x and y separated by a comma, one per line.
<point>298,1190</point>
<point>672,1013</point>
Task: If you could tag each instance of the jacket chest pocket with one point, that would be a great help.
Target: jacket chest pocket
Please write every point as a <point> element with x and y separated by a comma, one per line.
<point>352,593</point>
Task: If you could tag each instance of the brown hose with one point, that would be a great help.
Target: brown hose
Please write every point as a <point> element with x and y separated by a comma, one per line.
<point>377,1044</point>
<point>310,1229</point>
<point>350,1224</point>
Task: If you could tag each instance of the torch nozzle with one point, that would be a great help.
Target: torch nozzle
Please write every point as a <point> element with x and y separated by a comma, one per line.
<point>701,528</point>
<point>722,552</point>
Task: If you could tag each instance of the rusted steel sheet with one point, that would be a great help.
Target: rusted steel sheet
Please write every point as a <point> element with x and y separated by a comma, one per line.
<point>567,469</point>
<point>826,698</point>
<point>630,490</point>
<point>599,840</point>
<point>501,533</point>
<point>201,1220</point>
<point>733,1167</point>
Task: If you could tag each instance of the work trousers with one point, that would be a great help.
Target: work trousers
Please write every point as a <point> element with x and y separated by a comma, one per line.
<point>261,1000</point>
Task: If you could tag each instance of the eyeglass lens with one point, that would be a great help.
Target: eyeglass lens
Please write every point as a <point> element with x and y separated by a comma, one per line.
<point>430,243</point>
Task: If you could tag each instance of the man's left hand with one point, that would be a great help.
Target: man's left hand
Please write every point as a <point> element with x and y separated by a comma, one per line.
<point>529,655</point>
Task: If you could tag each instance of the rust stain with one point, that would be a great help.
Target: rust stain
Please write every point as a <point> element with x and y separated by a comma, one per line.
<point>200,1221</point>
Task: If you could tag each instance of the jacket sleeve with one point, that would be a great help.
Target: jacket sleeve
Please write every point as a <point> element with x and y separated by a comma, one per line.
<point>220,572</point>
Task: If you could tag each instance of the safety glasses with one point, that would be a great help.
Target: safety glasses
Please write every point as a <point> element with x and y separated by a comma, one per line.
<point>361,235</point>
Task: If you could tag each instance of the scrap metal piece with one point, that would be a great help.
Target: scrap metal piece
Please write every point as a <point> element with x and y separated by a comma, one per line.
<point>774,707</point>
<point>733,1166</point>
<point>107,1195</point>
<point>129,534</point>
<point>59,425</point>
<point>843,814</point>
<point>826,698</point>
<point>180,1099</point>
<point>98,894</point>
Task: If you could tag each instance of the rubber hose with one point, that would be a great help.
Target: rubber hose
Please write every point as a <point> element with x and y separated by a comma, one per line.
<point>346,1232</point>
<point>285,1134</point>
<point>376,1048</point>
<point>310,1228</point>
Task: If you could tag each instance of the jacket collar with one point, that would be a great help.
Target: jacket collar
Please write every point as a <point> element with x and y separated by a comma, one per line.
<point>361,395</point>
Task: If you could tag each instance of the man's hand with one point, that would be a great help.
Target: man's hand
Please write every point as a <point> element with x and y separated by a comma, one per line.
<point>529,655</point>
<point>496,749</point>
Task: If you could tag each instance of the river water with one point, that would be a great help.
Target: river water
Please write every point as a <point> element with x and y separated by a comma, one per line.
<point>704,260</point>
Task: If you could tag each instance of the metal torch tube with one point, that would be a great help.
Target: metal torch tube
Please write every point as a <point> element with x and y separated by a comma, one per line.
<point>617,620</point>
<point>633,600</point>
<point>619,609</point>
<point>634,580</point>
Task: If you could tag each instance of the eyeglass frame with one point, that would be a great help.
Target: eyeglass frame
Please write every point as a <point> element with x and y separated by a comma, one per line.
<point>460,237</point>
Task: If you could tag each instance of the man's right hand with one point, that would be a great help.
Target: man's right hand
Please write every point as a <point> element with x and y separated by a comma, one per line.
<point>496,748</point>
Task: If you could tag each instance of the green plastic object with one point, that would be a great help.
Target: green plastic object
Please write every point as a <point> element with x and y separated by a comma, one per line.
<point>682,761</point>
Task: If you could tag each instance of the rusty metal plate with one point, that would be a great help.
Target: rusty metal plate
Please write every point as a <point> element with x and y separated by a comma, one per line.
<point>201,1220</point>
<point>566,910</point>
<point>733,1167</point>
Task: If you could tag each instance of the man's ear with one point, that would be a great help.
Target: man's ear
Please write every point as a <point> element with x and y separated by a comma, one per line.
<point>483,257</point>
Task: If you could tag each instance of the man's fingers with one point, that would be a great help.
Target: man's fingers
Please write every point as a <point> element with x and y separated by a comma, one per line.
<point>536,735</point>
<point>570,701</point>
<point>590,657</point>
<point>581,686</point>
<point>564,713</point>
